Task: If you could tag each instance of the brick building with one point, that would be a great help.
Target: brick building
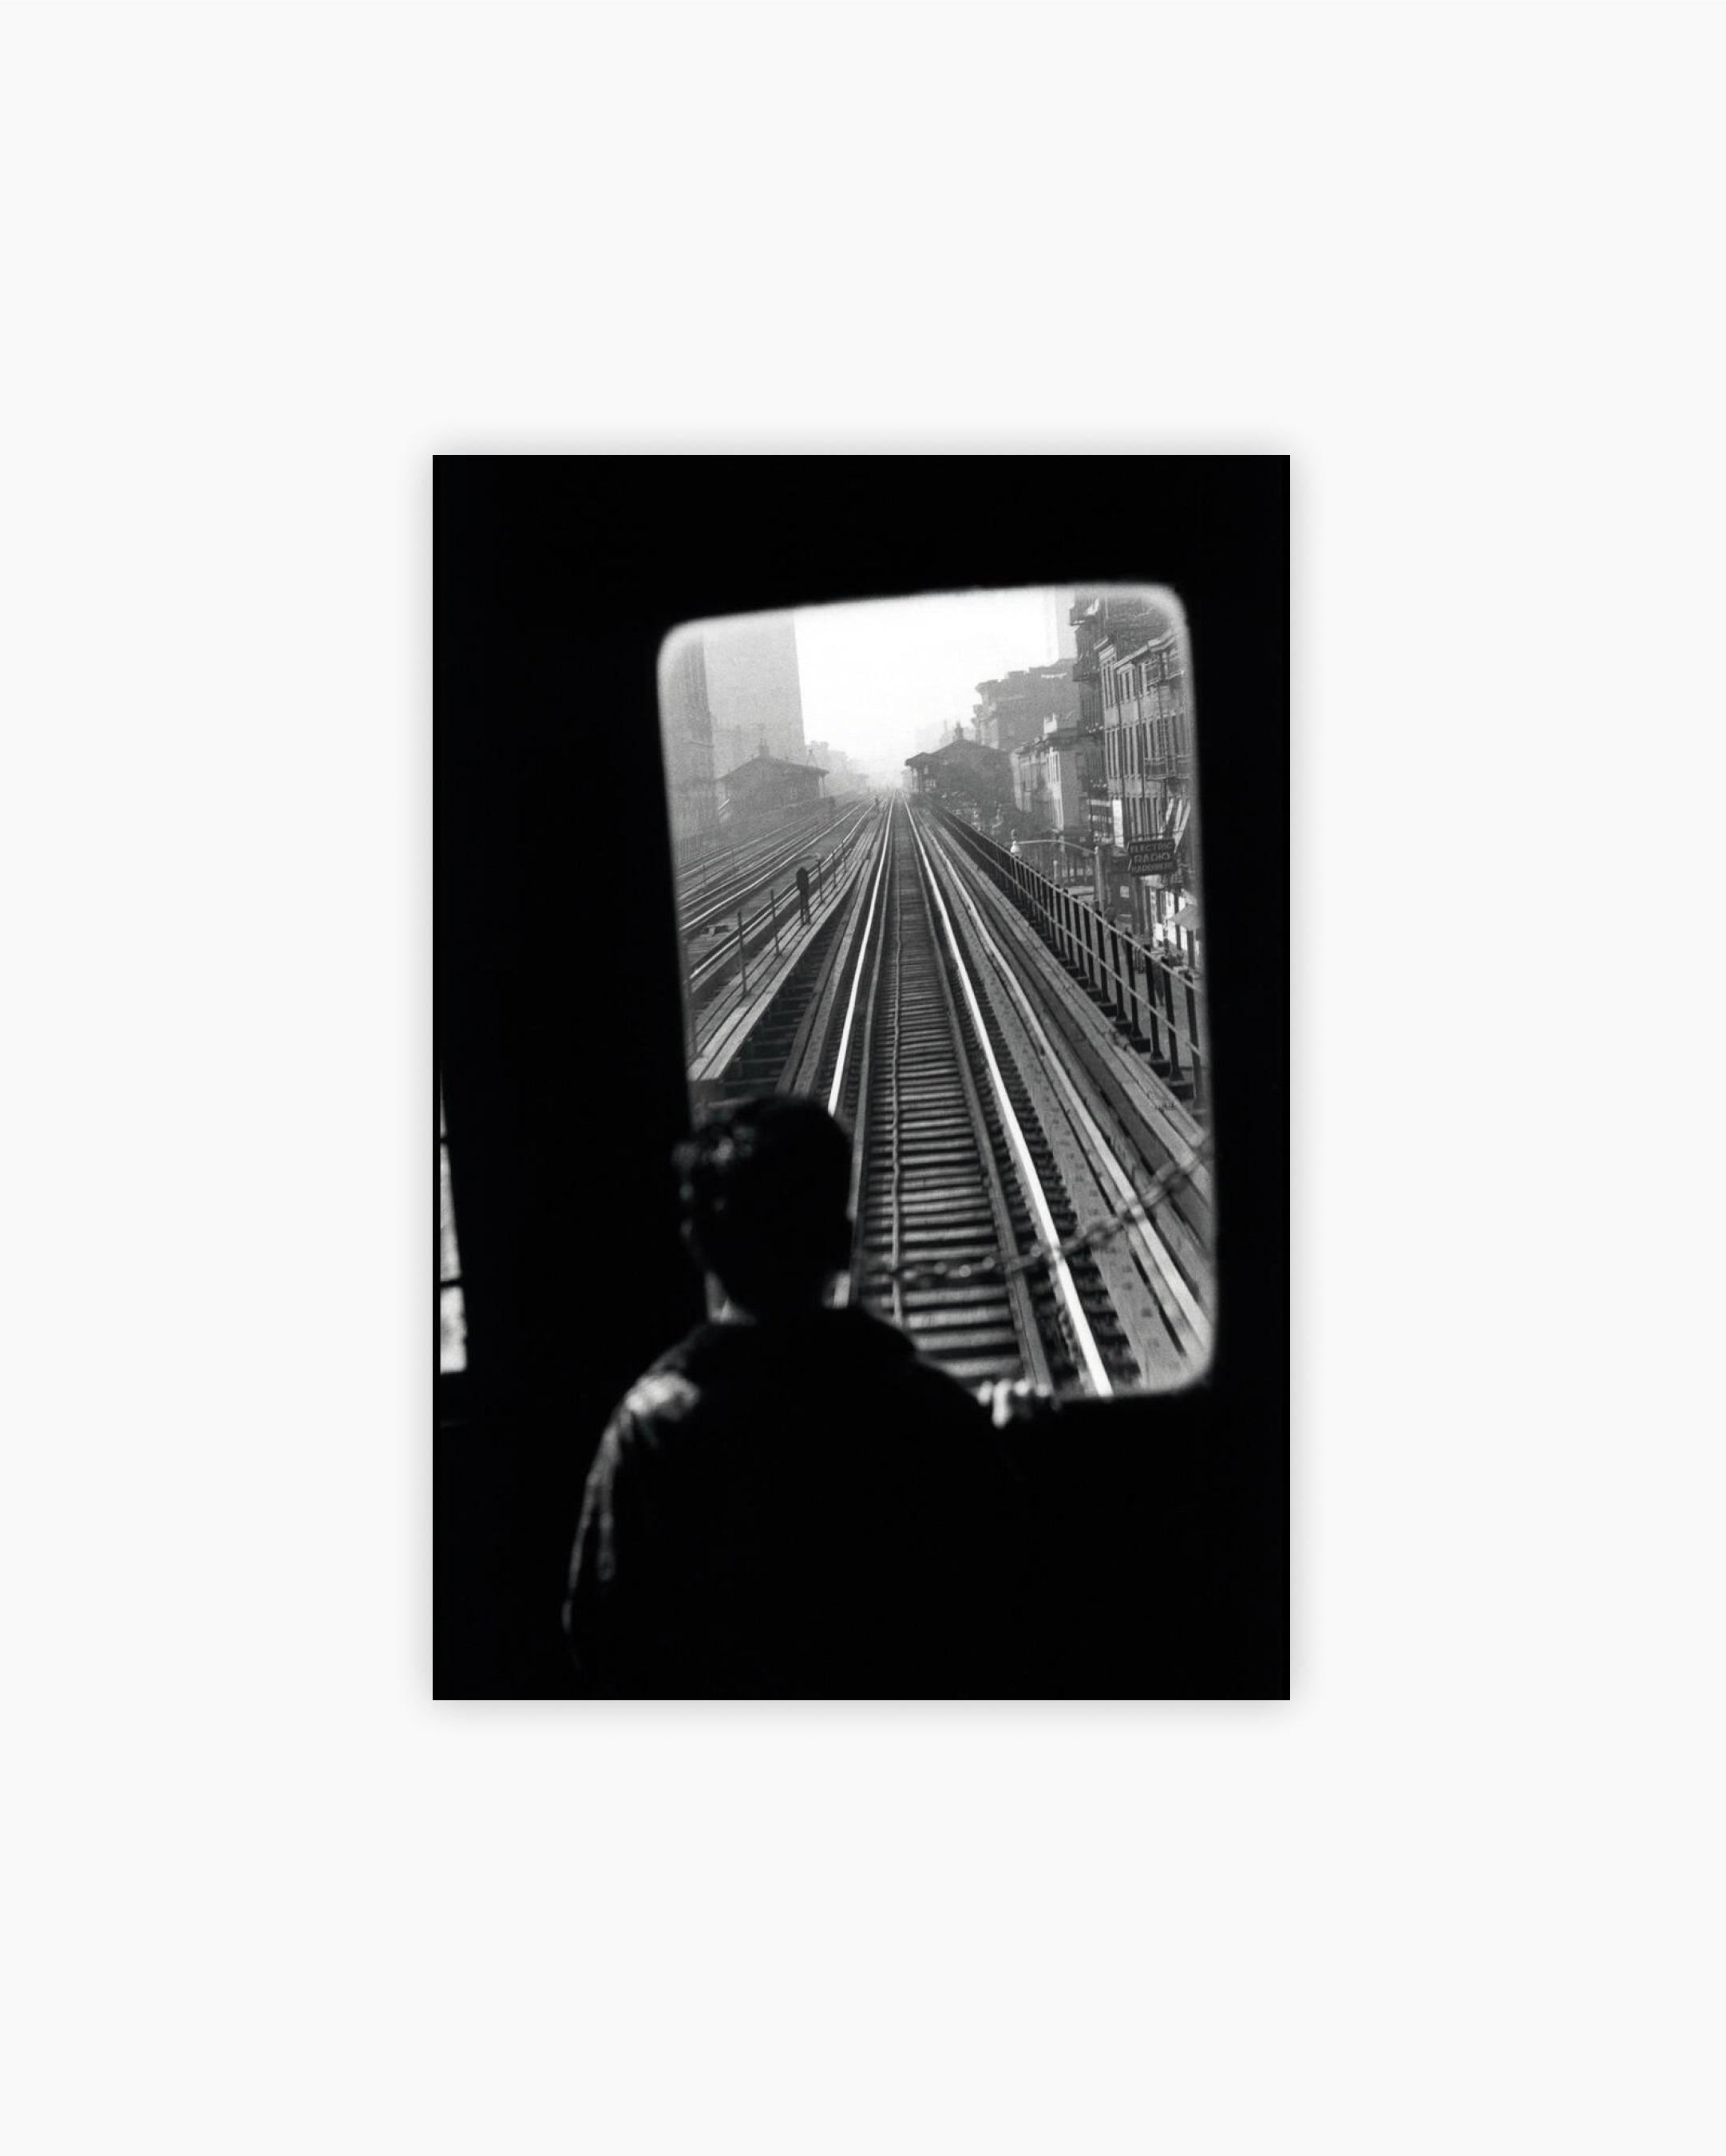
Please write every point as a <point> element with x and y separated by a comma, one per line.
<point>1098,616</point>
<point>1132,669</point>
<point>1009,712</point>
<point>1143,677</point>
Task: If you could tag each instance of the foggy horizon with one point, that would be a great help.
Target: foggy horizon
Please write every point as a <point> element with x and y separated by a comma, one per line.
<point>878,676</point>
<point>878,680</point>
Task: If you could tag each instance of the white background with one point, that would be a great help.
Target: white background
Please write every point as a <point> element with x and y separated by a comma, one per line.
<point>258,1891</point>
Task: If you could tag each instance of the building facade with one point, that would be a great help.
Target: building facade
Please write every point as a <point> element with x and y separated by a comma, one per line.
<point>1009,712</point>
<point>753,691</point>
<point>1097,616</point>
<point>686,732</point>
<point>1149,743</point>
<point>732,746</point>
<point>1060,627</point>
<point>1054,777</point>
<point>1130,670</point>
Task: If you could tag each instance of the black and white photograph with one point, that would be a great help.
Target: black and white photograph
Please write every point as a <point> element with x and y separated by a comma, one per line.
<point>935,1168</point>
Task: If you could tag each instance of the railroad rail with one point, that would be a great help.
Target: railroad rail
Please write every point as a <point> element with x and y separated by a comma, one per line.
<point>1157,1000</point>
<point>1003,1219</point>
<point>769,867</point>
<point>721,941</point>
<point>713,857</point>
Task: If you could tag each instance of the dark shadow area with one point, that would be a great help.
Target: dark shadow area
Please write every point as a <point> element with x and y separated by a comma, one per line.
<point>1160,1525</point>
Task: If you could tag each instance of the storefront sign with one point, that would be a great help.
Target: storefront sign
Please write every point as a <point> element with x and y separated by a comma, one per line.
<point>1150,857</point>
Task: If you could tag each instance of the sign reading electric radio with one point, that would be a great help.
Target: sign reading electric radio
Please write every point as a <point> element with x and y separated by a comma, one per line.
<point>1150,857</point>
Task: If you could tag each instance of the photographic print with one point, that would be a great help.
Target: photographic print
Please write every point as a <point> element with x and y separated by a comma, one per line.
<point>865,972</point>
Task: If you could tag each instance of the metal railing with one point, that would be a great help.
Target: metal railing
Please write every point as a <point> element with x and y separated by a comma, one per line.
<point>749,936</point>
<point>764,868</point>
<point>697,868</point>
<point>1157,1002</point>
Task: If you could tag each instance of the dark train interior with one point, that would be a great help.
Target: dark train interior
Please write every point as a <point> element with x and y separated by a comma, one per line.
<point>1162,1558</point>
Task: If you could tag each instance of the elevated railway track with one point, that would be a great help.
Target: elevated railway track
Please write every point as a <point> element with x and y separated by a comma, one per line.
<point>1020,1217</point>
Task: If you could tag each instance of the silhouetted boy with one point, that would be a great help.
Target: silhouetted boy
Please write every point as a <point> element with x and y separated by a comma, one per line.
<point>792,1503</point>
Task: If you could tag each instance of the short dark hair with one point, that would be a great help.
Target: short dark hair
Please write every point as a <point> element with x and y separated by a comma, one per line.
<point>765,1186</point>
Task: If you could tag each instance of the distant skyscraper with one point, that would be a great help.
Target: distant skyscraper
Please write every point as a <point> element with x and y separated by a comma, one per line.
<point>752,686</point>
<point>686,732</point>
<point>1063,645</point>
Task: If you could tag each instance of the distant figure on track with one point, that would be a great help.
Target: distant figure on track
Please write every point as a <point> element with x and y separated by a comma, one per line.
<point>802,895</point>
<point>792,1503</point>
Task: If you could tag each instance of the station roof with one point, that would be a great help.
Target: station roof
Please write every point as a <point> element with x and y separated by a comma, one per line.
<point>966,749</point>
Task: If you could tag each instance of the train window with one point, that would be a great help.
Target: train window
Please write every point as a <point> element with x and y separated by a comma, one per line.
<point>452,1320</point>
<point>906,885</point>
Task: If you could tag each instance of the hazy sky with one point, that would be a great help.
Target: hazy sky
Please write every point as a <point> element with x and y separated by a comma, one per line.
<point>876,677</point>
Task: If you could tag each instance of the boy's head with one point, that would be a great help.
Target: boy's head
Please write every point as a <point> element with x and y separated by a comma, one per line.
<point>765,1187</point>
